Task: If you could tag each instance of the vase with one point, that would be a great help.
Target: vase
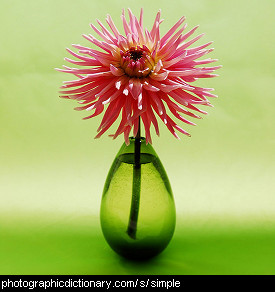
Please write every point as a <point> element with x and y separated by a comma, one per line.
<point>137,212</point>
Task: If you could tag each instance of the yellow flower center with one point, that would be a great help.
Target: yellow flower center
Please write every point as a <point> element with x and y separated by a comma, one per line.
<point>137,62</point>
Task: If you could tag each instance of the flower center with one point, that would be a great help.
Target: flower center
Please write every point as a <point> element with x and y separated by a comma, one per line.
<point>135,54</point>
<point>137,62</point>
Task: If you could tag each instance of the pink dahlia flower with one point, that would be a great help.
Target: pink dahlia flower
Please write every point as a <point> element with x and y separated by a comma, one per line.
<point>140,75</point>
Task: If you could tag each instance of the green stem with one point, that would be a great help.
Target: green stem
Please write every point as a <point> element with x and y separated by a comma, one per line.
<point>132,225</point>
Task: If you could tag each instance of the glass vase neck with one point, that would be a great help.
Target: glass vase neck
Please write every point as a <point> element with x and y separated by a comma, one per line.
<point>144,148</point>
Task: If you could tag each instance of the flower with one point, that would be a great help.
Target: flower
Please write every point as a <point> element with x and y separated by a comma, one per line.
<point>139,75</point>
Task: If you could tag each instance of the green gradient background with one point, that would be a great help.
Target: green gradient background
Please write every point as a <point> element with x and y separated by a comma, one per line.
<point>52,171</point>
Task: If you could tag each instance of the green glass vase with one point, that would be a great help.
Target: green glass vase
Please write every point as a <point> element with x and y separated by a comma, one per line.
<point>137,210</point>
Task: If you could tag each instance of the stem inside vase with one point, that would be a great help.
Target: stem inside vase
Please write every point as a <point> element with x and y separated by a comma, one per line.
<point>132,225</point>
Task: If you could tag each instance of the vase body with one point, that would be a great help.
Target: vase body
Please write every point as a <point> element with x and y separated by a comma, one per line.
<point>155,210</point>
